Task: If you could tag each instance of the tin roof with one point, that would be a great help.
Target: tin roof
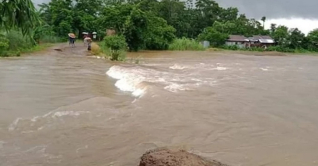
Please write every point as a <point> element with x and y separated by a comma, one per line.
<point>255,38</point>
<point>262,39</point>
<point>237,38</point>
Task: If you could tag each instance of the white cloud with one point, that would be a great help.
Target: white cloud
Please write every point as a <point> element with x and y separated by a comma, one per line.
<point>305,25</point>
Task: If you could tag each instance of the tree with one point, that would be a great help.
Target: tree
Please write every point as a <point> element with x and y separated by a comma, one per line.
<point>313,40</point>
<point>115,17</point>
<point>18,14</point>
<point>296,38</point>
<point>134,27</point>
<point>273,28</point>
<point>263,19</point>
<point>209,12</point>
<point>215,37</point>
<point>85,14</point>
<point>159,34</point>
<point>281,36</point>
<point>228,14</point>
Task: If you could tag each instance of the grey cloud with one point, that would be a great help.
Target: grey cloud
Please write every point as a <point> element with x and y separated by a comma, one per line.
<point>275,8</point>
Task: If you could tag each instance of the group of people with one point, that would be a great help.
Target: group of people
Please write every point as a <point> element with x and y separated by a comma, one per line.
<point>87,40</point>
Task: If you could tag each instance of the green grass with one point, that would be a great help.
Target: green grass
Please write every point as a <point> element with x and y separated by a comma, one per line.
<point>36,48</point>
<point>184,44</point>
<point>51,39</point>
<point>18,44</point>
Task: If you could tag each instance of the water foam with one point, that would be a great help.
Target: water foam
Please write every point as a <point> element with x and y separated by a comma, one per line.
<point>178,67</point>
<point>37,121</point>
<point>220,68</point>
<point>135,79</point>
<point>128,80</point>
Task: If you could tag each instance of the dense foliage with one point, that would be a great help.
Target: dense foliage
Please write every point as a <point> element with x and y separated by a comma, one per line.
<point>18,14</point>
<point>154,24</point>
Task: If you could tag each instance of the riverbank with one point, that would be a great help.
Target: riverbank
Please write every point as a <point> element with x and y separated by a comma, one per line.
<point>35,49</point>
<point>260,53</point>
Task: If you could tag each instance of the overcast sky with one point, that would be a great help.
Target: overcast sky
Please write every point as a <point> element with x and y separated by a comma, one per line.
<point>275,8</point>
<point>269,8</point>
<point>295,13</point>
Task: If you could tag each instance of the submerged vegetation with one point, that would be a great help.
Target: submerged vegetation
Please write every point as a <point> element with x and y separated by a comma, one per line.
<point>142,24</point>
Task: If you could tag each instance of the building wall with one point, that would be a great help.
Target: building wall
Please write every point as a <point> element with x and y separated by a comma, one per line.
<point>238,44</point>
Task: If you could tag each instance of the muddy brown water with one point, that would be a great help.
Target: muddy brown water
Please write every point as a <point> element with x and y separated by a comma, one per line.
<point>61,108</point>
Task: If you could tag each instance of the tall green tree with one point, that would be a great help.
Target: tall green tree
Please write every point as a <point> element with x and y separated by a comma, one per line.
<point>296,39</point>
<point>18,14</point>
<point>215,37</point>
<point>263,19</point>
<point>313,40</point>
<point>281,36</point>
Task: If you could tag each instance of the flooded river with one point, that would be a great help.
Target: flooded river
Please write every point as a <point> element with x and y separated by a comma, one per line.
<point>63,108</point>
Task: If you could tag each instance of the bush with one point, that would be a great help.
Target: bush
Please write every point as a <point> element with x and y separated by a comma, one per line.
<point>4,45</point>
<point>280,49</point>
<point>45,34</point>
<point>51,39</point>
<point>115,46</point>
<point>260,49</point>
<point>18,42</point>
<point>95,49</point>
<point>186,44</point>
<point>215,37</point>
<point>231,47</point>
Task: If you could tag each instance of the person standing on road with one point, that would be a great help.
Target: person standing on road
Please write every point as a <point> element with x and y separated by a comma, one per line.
<point>88,40</point>
<point>72,39</point>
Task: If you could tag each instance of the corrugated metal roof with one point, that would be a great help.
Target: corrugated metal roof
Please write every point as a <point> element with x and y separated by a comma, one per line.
<point>237,38</point>
<point>267,41</point>
<point>255,38</point>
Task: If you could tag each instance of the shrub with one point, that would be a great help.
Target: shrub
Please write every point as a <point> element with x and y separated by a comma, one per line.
<point>215,37</point>
<point>115,46</point>
<point>45,34</point>
<point>95,49</point>
<point>231,47</point>
<point>260,49</point>
<point>18,42</point>
<point>186,44</point>
<point>280,49</point>
<point>4,45</point>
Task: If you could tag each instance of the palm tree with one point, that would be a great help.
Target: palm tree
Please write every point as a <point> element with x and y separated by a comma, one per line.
<point>18,14</point>
<point>263,19</point>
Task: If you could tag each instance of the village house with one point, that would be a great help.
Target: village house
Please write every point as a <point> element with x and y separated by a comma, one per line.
<point>237,40</point>
<point>261,41</point>
<point>254,41</point>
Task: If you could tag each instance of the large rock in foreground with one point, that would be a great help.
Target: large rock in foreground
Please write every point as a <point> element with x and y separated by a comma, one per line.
<point>166,157</point>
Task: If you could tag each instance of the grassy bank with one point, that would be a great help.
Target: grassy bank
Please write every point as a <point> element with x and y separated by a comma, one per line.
<point>36,48</point>
<point>184,44</point>
<point>273,50</point>
<point>13,43</point>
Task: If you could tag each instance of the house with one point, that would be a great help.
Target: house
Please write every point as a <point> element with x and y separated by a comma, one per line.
<point>237,40</point>
<point>261,41</point>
